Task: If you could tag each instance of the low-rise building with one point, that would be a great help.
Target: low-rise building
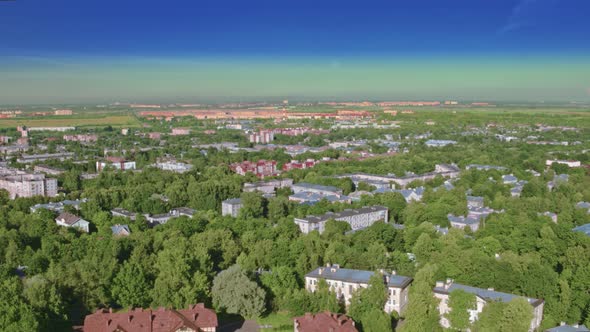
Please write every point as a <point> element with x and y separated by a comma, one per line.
<point>119,212</point>
<point>120,230</point>
<point>357,218</point>
<point>48,170</point>
<point>485,167</point>
<point>80,138</point>
<point>569,163</point>
<point>316,188</point>
<point>267,187</point>
<point>324,321</point>
<point>59,206</point>
<point>231,207</point>
<point>173,166</point>
<point>344,282</point>
<point>583,229</point>
<point>117,163</point>
<point>180,131</point>
<point>439,142</point>
<point>563,327</point>
<point>294,164</point>
<point>483,297</point>
<point>261,168</point>
<point>67,219</point>
<point>196,318</point>
<point>30,158</point>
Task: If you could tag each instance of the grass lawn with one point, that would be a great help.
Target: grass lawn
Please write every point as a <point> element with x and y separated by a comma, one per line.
<point>76,121</point>
<point>280,321</point>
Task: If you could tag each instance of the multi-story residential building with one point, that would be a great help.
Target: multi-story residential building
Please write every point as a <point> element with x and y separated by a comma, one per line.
<point>155,136</point>
<point>315,188</point>
<point>569,163</point>
<point>118,212</point>
<point>67,219</point>
<point>29,158</point>
<point>267,187</point>
<point>261,168</point>
<point>390,180</point>
<point>483,297</point>
<point>50,129</point>
<point>59,206</point>
<point>28,185</point>
<point>117,163</point>
<point>294,164</point>
<point>324,321</point>
<point>231,207</point>
<point>173,166</point>
<point>63,112</point>
<point>180,131</point>
<point>357,218</point>
<point>439,142</point>
<point>48,170</point>
<point>196,318</point>
<point>261,137</point>
<point>80,138</point>
<point>344,282</point>
<point>485,167</point>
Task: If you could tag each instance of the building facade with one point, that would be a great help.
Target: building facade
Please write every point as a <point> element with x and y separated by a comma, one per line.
<point>231,207</point>
<point>29,185</point>
<point>483,297</point>
<point>196,318</point>
<point>358,219</point>
<point>344,282</point>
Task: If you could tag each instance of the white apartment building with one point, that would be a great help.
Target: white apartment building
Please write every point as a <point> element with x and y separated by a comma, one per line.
<point>358,218</point>
<point>344,282</point>
<point>483,297</point>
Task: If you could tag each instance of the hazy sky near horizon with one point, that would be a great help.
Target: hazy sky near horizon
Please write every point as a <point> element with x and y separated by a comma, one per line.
<point>63,51</point>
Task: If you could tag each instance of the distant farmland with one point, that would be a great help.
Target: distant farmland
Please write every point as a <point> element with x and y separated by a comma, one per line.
<point>76,121</point>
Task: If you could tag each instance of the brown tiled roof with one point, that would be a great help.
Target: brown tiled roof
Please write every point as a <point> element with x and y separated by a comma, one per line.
<point>68,218</point>
<point>196,317</point>
<point>324,322</point>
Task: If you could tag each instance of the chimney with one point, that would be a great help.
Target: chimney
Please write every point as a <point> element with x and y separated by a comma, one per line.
<point>130,318</point>
<point>110,310</point>
<point>561,323</point>
<point>393,272</point>
<point>491,289</point>
<point>328,265</point>
<point>321,270</point>
<point>440,284</point>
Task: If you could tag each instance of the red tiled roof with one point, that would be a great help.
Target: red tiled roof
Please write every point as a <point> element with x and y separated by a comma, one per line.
<point>196,317</point>
<point>324,322</point>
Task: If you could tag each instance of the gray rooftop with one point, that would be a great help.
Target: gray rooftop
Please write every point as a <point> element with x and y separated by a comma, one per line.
<point>569,328</point>
<point>487,294</point>
<point>317,187</point>
<point>584,229</point>
<point>233,201</point>
<point>342,214</point>
<point>358,276</point>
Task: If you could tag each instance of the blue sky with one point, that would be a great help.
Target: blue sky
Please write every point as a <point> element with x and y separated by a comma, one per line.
<point>46,40</point>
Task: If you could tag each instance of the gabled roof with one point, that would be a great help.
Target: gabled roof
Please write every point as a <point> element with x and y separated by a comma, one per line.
<point>486,294</point>
<point>335,272</point>
<point>68,218</point>
<point>120,229</point>
<point>196,317</point>
<point>325,321</point>
<point>569,328</point>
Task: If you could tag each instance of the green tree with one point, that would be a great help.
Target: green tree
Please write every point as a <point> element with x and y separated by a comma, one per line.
<point>237,294</point>
<point>131,287</point>
<point>516,316</point>
<point>252,205</point>
<point>15,313</point>
<point>365,300</point>
<point>422,311</point>
<point>460,303</point>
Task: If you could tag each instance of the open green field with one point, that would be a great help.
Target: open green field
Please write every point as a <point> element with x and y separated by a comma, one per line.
<point>117,120</point>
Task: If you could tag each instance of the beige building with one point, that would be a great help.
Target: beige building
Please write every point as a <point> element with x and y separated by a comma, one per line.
<point>29,185</point>
<point>483,297</point>
<point>344,282</point>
